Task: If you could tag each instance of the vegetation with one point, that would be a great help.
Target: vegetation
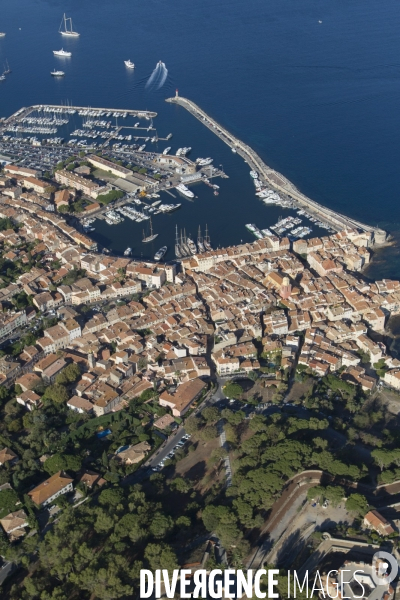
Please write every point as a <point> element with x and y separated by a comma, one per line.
<point>233,390</point>
<point>110,196</point>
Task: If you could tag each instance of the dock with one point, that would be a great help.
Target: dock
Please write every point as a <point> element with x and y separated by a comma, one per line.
<point>62,108</point>
<point>274,179</point>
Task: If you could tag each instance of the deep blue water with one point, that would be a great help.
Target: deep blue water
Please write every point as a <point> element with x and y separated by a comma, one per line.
<point>318,101</point>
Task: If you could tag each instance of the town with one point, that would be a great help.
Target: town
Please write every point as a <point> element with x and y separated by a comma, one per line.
<point>185,395</point>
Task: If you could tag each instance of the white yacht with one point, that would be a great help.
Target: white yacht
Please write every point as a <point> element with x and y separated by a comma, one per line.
<point>184,190</point>
<point>158,255</point>
<point>62,53</point>
<point>254,174</point>
<point>67,30</point>
<point>128,252</point>
<point>203,162</point>
<point>129,64</point>
<point>56,73</point>
<point>2,34</point>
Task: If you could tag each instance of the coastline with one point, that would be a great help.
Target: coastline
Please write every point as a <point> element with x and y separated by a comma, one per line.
<point>275,179</point>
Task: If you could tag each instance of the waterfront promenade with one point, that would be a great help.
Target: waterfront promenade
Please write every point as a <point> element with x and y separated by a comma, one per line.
<point>273,178</point>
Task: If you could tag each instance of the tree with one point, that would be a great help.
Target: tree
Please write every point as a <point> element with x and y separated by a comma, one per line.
<point>234,418</point>
<point>208,433</point>
<point>111,497</point>
<point>8,501</point>
<point>181,485</point>
<point>192,425</point>
<point>357,503</point>
<point>160,525</point>
<point>62,462</point>
<point>161,556</point>
<point>56,393</point>
<point>233,390</point>
<point>210,414</point>
<point>253,375</point>
<point>68,375</point>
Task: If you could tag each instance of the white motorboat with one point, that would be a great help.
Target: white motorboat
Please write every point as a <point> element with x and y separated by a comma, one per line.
<point>129,64</point>
<point>56,73</point>
<point>184,190</point>
<point>62,52</point>
<point>158,255</point>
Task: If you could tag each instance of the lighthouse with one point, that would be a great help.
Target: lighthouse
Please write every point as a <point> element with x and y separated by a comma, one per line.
<point>176,93</point>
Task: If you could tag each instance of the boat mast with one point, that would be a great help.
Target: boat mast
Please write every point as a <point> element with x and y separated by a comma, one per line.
<point>206,237</point>
<point>151,228</point>
<point>199,236</point>
<point>176,240</point>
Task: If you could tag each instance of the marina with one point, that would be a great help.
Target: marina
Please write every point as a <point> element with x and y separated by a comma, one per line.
<point>124,138</point>
<point>273,179</point>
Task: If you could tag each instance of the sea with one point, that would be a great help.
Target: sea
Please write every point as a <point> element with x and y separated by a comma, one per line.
<point>312,86</point>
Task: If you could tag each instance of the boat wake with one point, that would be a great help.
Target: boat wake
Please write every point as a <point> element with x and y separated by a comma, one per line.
<point>158,77</point>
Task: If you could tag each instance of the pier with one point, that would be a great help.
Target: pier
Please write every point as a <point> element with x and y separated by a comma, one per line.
<point>274,179</point>
<point>60,108</point>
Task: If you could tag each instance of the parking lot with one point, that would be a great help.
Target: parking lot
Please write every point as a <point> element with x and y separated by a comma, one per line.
<point>168,452</point>
<point>42,158</point>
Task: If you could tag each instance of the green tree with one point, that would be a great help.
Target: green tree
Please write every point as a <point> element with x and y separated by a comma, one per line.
<point>208,433</point>
<point>210,414</point>
<point>62,462</point>
<point>233,390</point>
<point>357,503</point>
<point>56,393</point>
<point>160,525</point>
<point>111,497</point>
<point>161,556</point>
<point>181,485</point>
<point>8,501</point>
<point>192,425</point>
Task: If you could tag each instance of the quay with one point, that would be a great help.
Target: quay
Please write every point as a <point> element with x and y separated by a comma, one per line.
<point>273,178</point>
<point>62,108</point>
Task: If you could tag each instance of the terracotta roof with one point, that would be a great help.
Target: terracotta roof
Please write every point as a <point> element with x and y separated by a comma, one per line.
<point>6,454</point>
<point>14,520</point>
<point>48,488</point>
<point>378,522</point>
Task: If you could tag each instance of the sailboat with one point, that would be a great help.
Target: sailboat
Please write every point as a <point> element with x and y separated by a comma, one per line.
<point>152,235</point>
<point>7,69</point>
<point>184,247</point>
<point>177,248</point>
<point>67,31</point>
<point>200,244</point>
<point>207,240</point>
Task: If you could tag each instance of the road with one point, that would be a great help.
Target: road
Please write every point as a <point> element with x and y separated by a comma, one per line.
<point>146,469</point>
<point>5,570</point>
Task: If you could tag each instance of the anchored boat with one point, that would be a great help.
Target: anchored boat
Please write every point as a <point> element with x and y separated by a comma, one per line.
<point>152,235</point>
<point>67,30</point>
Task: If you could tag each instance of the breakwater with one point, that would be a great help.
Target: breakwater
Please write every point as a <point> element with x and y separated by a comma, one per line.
<point>274,179</point>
